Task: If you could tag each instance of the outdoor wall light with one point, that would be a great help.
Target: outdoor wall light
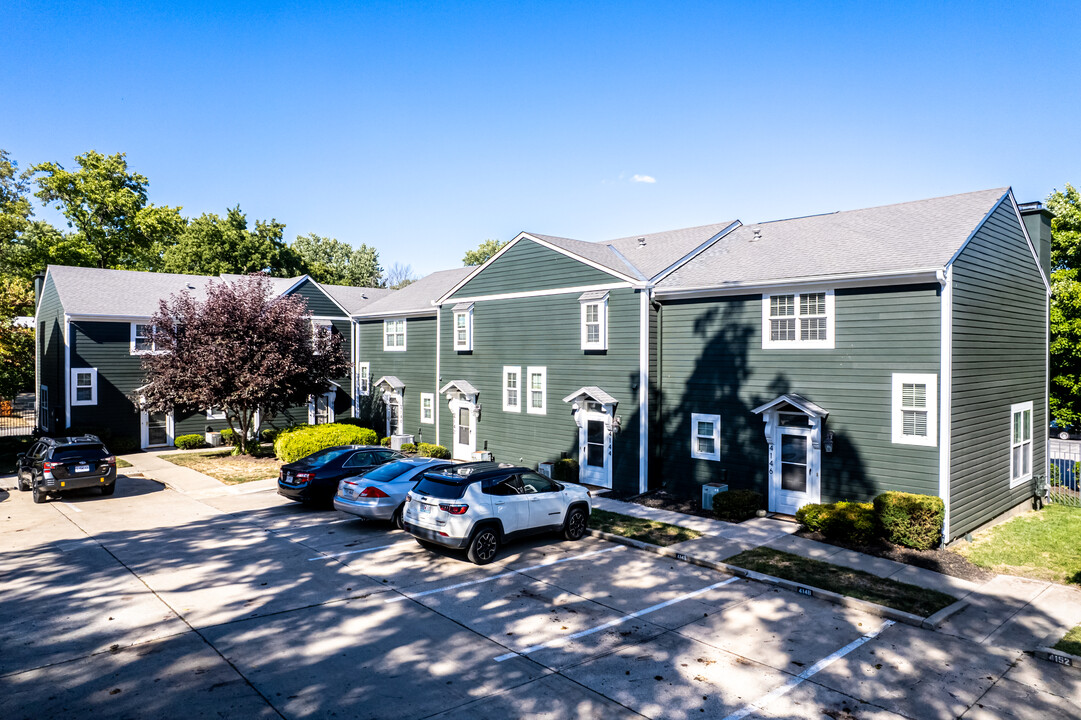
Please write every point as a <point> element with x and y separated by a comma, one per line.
<point>617,424</point>
<point>828,445</point>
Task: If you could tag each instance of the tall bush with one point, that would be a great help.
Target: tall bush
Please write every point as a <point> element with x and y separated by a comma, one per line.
<point>737,505</point>
<point>433,451</point>
<point>850,521</point>
<point>911,520</point>
<point>300,442</point>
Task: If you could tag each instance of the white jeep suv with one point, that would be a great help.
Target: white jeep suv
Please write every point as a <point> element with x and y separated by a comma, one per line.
<point>480,506</point>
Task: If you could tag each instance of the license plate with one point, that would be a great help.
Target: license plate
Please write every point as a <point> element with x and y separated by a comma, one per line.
<point>288,477</point>
<point>347,493</point>
<point>425,509</point>
<point>82,468</point>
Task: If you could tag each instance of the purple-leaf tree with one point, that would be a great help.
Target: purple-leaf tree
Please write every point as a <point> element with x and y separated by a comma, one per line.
<point>241,349</point>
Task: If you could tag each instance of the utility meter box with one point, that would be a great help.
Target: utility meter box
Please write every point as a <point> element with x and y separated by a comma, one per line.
<point>545,469</point>
<point>708,491</point>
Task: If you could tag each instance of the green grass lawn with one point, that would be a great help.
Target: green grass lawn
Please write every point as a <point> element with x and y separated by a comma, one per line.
<point>230,469</point>
<point>1045,544</point>
<point>845,581</point>
<point>650,531</point>
<point>122,463</point>
<point>1071,643</point>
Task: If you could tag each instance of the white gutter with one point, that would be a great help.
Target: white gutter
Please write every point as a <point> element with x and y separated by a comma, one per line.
<point>911,277</point>
<point>438,372</point>
<point>67,371</point>
<point>945,277</point>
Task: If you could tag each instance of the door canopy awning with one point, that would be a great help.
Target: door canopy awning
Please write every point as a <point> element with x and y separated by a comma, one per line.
<point>462,386</point>
<point>389,383</point>
<point>793,401</point>
<point>591,392</point>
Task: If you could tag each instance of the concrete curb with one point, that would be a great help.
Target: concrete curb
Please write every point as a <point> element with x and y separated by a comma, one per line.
<point>929,623</point>
<point>1059,658</point>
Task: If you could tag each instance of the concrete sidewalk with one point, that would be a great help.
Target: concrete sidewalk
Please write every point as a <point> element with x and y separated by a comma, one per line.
<point>185,480</point>
<point>1007,611</point>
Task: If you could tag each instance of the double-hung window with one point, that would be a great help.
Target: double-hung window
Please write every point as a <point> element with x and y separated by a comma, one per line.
<point>84,386</point>
<point>394,335</point>
<point>427,408</point>
<point>536,390</point>
<point>215,413</point>
<point>705,436</point>
<point>798,320</point>
<point>364,378</point>
<point>320,324</point>
<point>512,389</point>
<point>915,409</point>
<point>594,320</point>
<point>1020,443</point>
<point>142,339</point>
<point>463,327</point>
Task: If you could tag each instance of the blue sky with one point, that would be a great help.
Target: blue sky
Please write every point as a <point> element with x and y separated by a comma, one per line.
<point>424,128</point>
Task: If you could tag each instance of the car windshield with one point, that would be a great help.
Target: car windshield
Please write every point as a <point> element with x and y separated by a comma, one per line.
<point>324,456</point>
<point>443,488</point>
<point>386,473</point>
<point>79,452</point>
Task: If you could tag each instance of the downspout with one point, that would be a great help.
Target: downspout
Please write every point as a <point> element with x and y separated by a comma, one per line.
<point>643,389</point>
<point>354,345</point>
<point>945,279</point>
<point>438,373</point>
<point>67,371</point>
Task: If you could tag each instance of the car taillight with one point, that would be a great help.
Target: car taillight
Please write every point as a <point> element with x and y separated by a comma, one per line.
<point>454,509</point>
<point>49,465</point>
<point>305,477</point>
<point>371,492</point>
<point>111,459</point>
<point>409,497</point>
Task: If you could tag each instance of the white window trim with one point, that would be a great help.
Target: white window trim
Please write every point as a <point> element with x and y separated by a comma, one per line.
<point>363,388</point>
<point>467,346</point>
<point>132,350</point>
<point>1014,409</point>
<point>332,414</point>
<point>704,417</point>
<point>602,319</point>
<point>405,339</point>
<point>211,415</point>
<point>430,398</point>
<point>543,372</point>
<point>897,413</point>
<point>831,336</point>
<point>316,324</point>
<point>75,372</point>
<point>507,406</point>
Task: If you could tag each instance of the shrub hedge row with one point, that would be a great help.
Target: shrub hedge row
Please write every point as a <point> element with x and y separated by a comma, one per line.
<point>905,519</point>
<point>295,443</point>
<point>190,442</point>
<point>737,505</point>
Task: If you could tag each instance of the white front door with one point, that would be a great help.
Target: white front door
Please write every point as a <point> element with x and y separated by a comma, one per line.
<point>795,475</point>
<point>395,423</point>
<point>464,429</point>
<point>594,449</point>
<point>156,429</point>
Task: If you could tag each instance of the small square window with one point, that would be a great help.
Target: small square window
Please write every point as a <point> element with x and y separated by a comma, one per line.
<point>394,335</point>
<point>427,408</point>
<point>84,386</point>
<point>915,401</point>
<point>705,436</point>
<point>512,388</point>
<point>142,339</point>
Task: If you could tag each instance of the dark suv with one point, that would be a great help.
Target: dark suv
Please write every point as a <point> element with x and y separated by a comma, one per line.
<point>56,465</point>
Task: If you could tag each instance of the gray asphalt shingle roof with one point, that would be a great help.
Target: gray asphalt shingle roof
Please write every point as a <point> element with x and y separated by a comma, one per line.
<point>355,299</point>
<point>93,291</point>
<point>417,297</point>
<point>923,234</point>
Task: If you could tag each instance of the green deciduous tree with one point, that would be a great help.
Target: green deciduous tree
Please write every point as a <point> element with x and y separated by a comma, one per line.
<point>106,205</point>
<point>212,245</point>
<point>333,262</point>
<point>16,343</point>
<point>485,250</point>
<point>1066,306</point>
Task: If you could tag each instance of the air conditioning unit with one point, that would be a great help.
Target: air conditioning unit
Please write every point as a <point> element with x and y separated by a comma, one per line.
<point>396,441</point>
<point>545,469</point>
<point>708,491</point>
<point>482,455</point>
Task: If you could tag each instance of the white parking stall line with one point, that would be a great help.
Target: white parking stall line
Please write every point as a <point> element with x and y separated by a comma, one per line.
<point>348,519</point>
<point>614,623</point>
<point>69,505</point>
<point>411,596</point>
<point>822,664</point>
<point>330,556</point>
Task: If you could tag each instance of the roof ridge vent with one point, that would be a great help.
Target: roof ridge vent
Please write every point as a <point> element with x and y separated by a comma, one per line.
<point>757,234</point>
<point>641,242</point>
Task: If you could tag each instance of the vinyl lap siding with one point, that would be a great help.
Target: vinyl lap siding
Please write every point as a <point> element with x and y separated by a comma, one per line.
<point>49,343</point>
<point>530,266</point>
<point>107,347</point>
<point>999,359</point>
<point>319,303</point>
<point>415,367</point>
<point>545,331</point>
<point>712,361</point>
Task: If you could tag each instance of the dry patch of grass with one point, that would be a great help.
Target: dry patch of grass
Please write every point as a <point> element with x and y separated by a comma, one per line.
<point>842,580</point>
<point>230,469</point>
<point>122,463</point>
<point>650,531</point>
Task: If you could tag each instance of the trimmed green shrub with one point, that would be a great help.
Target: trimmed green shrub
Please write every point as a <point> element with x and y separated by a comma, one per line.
<point>910,520</point>
<point>190,442</point>
<point>409,448</point>
<point>269,434</point>
<point>850,521</point>
<point>299,442</point>
<point>810,516</point>
<point>385,442</point>
<point>228,436</point>
<point>736,505</point>
<point>433,451</point>
<point>565,470</point>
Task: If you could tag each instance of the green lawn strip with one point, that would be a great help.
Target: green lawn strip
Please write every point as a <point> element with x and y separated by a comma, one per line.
<point>122,463</point>
<point>1041,545</point>
<point>226,467</point>
<point>1071,643</point>
<point>650,531</point>
<point>842,580</point>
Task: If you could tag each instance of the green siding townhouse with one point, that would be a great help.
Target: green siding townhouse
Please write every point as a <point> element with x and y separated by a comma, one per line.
<point>545,352</point>
<point>837,356</point>
<point>91,333</point>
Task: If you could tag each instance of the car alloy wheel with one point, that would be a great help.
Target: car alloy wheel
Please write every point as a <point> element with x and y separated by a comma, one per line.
<point>576,524</point>
<point>484,547</point>
<point>23,485</point>
<point>39,494</point>
<point>398,521</point>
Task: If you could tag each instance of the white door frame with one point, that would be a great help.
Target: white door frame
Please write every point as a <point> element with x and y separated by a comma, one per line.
<point>144,430</point>
<point>584,411</point>
<point>779,499</point>
<point>459,401</point>
<point>329,395</point>
<point>395,397</point>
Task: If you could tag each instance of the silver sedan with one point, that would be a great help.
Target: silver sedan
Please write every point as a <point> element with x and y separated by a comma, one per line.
<point>380,493</point>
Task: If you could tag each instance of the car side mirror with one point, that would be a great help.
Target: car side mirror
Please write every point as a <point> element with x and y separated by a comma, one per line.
<point>20,456</point>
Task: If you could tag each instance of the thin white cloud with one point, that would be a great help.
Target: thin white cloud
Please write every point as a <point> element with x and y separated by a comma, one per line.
<point>643,178</point>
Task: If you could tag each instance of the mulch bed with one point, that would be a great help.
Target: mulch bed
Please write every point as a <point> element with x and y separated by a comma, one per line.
<point>664,500</point>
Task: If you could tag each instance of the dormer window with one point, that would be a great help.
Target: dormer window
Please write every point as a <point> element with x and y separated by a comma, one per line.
<point>594,320</point>
<point>463,327</point>
<point>798,320</point>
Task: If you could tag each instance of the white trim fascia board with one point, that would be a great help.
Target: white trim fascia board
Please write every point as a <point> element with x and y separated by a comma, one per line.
<point>977,228</point>
<point>643,392</point>
<point>353,369</point>
<point>637,273</point>
<point>694,253</point>
<point>330,297</point>
<point>394,313</point>
<point>328,318</point>
<point>37,300</point>
<point>548,291</point>
<point>67,371</point>
<point>912,277</point>
<point>945,390</point>
<point>294,286</point>
<point>584,261</point>
<point>84,317</point>
<point>473,274</point>
<point>1031,247</point>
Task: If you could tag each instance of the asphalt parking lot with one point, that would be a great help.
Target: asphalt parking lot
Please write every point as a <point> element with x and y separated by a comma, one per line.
<point>151,603</point>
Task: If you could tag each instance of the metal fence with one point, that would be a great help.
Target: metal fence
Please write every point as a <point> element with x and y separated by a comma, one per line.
<point>1063,483</point>
<point>17,415</point>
